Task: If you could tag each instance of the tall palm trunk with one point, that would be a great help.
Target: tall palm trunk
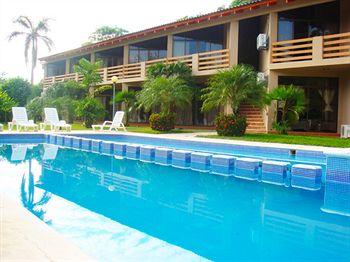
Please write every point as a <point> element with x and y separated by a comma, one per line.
<point>33,61</point>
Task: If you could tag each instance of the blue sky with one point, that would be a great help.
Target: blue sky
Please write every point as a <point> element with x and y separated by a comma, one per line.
<point>74,20</point>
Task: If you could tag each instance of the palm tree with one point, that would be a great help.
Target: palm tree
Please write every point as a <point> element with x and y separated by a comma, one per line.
<point>32,36</point>
<point>165,92</point>
<point>290,104</point>
<point>234,86</point>
<point>128,98</point>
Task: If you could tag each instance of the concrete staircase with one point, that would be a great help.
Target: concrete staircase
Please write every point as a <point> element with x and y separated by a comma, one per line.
<point>254,119</point>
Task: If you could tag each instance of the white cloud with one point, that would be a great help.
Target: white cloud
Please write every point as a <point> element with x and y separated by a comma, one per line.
<point>74,20</point>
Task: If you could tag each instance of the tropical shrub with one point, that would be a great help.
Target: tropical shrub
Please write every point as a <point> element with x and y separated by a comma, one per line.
<point>18,89</point>
<point>6,103</point>
<point>230,125</point>
<point>89,71</point>
<point>90,110</point>
<point>290,103</point>
<point>128,98</point>
<point>161,122</point>
<point>165,93</point>
<point>177,69</point>
<point>65,106</point>
<point>71,89</point>
<point>35,109</point>
<point>232,87</point>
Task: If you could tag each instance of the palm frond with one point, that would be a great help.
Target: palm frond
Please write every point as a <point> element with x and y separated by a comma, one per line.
<point>48,41</point>
<point>43,25</point>
<point>15,34</point>
<point>24,21</point>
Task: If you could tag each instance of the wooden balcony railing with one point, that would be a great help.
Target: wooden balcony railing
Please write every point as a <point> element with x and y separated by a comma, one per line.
<point>199,63</point>
<point>315,49</point>
<point>292,50</point>
<point>336,45</point>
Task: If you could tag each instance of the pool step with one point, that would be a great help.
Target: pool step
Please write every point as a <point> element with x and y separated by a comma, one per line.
<point>307,177</point>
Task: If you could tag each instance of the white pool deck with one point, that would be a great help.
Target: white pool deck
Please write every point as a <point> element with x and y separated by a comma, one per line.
<point>23,237</point>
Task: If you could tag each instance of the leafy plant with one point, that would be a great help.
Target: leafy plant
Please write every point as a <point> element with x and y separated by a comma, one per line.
<point>33,34</point>
<point>90,110</point>
<point>290,102</point>
<point>18,89</point>
<point>161,122</point>
<point>89,71</point>
<point>128,98</point>
<point>71,89</point>
<point>167,93</point>
<point>233,87</point>
<point>35,108</point>
<point>231,125</point>
<point>235,3</point>
<point>106,32</point>
<point>177,69</point>
<point>6,103</point>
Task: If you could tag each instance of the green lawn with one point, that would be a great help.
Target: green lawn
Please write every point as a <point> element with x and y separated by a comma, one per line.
<point>291,139</point>
<point>141,129</point>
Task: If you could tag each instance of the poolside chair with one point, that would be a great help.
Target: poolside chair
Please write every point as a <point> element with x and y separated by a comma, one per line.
<point>110,125</point>
<point>50,152</point>
<point>19,152</point>
<point>52,120</point>
<point>20,120</point>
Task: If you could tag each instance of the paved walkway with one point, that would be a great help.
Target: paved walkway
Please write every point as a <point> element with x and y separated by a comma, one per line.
<point>23,237</point>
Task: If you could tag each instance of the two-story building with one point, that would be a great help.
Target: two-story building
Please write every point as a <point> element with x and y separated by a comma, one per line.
<point>308,46</point>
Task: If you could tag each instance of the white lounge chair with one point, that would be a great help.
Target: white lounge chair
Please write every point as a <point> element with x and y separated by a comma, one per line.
<point>18,152</point>
<point>20,120</point>
<point>50,152</point>
<point>110,125</point>
<point>52,120</point>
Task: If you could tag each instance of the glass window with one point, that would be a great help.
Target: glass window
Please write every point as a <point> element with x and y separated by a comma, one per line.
<point>309,21</point>
<point>148,50</point>
<point>198,41</point>
<point>321,113</point>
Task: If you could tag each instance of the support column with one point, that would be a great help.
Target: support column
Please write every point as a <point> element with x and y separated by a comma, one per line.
<point>232,41</point>
<point>126,55</point>
<point>67,66</point>
<point>92,57</point>
<point>170,46</point>
<point>272,32</point>
<point>270,115</point>
<point>45,70</point>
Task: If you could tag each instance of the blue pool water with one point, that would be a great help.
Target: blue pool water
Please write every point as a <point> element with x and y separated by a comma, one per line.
<point>118,208</point>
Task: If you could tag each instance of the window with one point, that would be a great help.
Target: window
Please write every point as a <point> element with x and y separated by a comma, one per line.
<point>56,68</point>
<point>309,21</point>
<point>199,41</point>
<point>148,50</point>
<point>75,61</point>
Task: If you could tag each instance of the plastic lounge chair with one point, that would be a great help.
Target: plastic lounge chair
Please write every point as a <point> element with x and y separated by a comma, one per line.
<point>50,152</point>
<point>18,152</point>
<point>20,119</point>
<point>110,125</point>
<point>52,120</point>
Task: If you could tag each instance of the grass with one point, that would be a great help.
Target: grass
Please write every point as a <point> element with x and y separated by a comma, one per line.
<point>141,129</point>
<point>291,139</point>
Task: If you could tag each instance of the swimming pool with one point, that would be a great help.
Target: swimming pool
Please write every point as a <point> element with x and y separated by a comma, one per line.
<point>116,207</point>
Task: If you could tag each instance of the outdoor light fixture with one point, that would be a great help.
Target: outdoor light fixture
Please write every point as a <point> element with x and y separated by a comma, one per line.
<point>114,80</point>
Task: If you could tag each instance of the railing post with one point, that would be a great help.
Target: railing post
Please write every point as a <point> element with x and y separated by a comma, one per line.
<point>143,69</point>
<point>76,77</point>
<point>195,64</point>
<point>105,74</point>
<point>317,49</point>
<point>53,79</point>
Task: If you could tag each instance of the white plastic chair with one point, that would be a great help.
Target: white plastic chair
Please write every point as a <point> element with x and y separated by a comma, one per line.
<point>110,125</point>
<point>18,152</point>
<point>52,120</point>
<point>50,152</point>
<point>20,120</point>
<point>345,131</point>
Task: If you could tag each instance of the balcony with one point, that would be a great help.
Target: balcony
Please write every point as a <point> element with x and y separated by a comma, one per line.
<point>201,64</point>
<point>310,52</point>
